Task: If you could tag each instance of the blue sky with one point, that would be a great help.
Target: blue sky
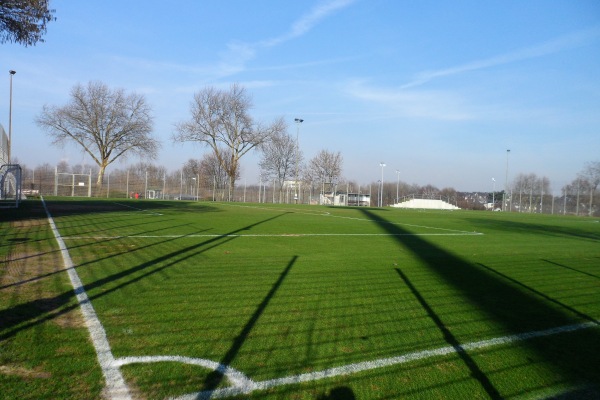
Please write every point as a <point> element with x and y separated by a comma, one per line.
<point>438,90</point>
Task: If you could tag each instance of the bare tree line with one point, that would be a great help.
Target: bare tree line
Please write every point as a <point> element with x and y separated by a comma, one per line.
<point>110,124</point>
<point>204,179</point>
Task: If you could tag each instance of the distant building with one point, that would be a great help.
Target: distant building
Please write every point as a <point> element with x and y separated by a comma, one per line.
<point>345,199</point>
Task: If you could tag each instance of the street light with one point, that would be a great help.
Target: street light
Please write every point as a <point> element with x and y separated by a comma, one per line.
<point>381,164</point>
<point>11,72</point>
<point>397,186</point>
<point>298,122</point>
<point>493,194</point>
<point>196,182</point>
<point>506,183</point>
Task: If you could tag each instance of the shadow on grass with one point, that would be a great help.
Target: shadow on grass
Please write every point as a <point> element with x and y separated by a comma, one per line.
<point>511,304</point>
<point>62,207</point>
<point>339,393</point>
<point>571,268</point>
<point>94,243</point>
<point>216,377</point>
<point>30,314</point>
<point>536,228</point>
<point>452,341</point>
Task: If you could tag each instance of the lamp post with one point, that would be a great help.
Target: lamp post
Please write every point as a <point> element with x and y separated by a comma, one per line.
<point>298,121</point>
<point>11,72</point>
<point>506,183</point>
<point>397,187</point>
<point>195,184</point>
<point>381,164</point>
<point>493,194</point>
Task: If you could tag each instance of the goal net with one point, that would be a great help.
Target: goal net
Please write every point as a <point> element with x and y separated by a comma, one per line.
<point>10,185</point>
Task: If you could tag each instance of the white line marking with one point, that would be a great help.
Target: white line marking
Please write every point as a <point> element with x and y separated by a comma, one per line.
<point>270,235</point>
<point>138,209</point>
<point>116,387</point>
<point>234,376</point>
<point>242,385</point>
<point>327,214</point>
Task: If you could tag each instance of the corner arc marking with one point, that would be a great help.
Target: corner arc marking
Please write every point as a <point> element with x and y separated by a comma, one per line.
<point>238,379</point>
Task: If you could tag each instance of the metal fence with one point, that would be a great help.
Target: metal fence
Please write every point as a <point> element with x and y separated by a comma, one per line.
<point>177,186</point>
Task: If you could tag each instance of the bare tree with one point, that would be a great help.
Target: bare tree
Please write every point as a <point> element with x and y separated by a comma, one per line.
<point>24,21</point>
<point>213,175</point>
<point>191,167</point>
<point>280,159</point>
<point>591,175</point>
<point>107,124</point>
<point>220,120</point>
<point>326,168</point>
<point>533,187</point>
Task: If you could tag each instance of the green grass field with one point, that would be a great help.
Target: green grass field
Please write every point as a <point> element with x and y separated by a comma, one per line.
<point>299,302</point>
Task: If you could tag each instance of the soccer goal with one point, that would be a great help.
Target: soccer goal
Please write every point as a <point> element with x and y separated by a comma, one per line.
<point>10,185</point>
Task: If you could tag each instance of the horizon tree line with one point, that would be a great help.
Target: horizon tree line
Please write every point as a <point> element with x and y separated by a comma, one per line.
<point>110,124</point>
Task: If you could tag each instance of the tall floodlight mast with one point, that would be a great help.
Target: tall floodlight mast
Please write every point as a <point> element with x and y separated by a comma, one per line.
<point>298,122</point>
<point>381,164</point>
<point>8,153</point>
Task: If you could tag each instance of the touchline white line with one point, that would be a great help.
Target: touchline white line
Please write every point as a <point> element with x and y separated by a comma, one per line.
<point>116,388</point>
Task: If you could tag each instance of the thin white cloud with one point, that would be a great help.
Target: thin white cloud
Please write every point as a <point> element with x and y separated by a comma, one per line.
<point>308,21</point>
<point>433,104</point>
<point>236,56</point>
<point>572,40</point>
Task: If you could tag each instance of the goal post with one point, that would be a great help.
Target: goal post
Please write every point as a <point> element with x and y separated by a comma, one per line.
<point>10,185</point>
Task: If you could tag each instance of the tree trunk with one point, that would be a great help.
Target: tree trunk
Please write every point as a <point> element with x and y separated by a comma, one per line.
<point>100,179</point>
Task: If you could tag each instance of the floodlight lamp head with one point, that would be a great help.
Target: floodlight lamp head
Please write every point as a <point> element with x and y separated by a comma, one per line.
<point>12,72</point>
<point>298,120</point>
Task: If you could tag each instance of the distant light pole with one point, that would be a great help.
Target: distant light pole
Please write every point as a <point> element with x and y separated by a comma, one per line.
<point>506,183</point>
<point>298,122</point>
<point>11,72</point>
<point>493,194</point>
<point>381,164</point>
<point>397,187</point>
